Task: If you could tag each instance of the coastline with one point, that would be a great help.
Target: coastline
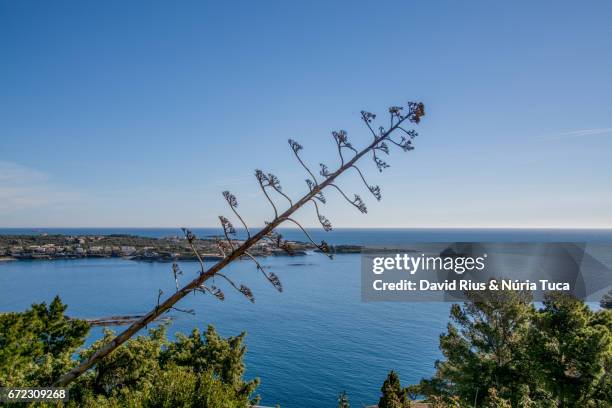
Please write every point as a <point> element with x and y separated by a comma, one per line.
<point>45,247</point>
<point>131,247</point>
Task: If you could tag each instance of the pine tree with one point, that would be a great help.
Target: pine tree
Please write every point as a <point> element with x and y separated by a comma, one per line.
<point>495,401</point>
<point>393,395</point>
<point>211,353</point>
<point>573,348</point>
<point>499,351</point>
<point>483,347</point>
<point>343,401</point>
<point>37,345</point>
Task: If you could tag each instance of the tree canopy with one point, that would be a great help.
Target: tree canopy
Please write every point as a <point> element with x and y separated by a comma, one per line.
<point>194,370</point>
<point>36,345</point>
<point>393,395</point>
<point>500,351</point>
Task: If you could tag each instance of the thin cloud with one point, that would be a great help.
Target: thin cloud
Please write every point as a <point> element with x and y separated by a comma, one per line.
<point>16,174</point>
<point>23,187</point>
<point>579,133</point>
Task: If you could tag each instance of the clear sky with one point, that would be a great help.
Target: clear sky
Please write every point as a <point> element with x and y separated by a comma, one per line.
<point>141,113</point>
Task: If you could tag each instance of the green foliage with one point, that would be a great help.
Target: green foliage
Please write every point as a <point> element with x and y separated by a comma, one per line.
<point>500,351</point>
<point>149,371</point>
<point>481,347</point>
<point>495,401</point>
<point>343,401</point>
<point>212,353</point>
<point>606,300</point>
<point>439,401</point>
<point>572,347</point>
<point>393,395</point>
<point>37,346</point>
<point>172,387</point>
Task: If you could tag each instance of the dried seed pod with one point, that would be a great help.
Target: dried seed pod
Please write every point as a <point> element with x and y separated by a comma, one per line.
<point>230,198</point>
<point>247,293</point>
<point>190,236</point>
<point>324,170</point>
<point>295,146</point>
<point>358,202</point>
<point>275,281</point>
<point>227,226</point>
<point>325,223</point>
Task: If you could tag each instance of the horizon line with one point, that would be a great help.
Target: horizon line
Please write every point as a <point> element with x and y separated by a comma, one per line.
<point>340,228</point>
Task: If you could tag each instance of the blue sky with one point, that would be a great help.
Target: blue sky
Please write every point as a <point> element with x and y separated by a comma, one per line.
<point>141,113</point>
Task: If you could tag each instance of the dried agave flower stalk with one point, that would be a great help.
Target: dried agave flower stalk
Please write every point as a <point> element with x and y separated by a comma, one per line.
<point>232,250</point>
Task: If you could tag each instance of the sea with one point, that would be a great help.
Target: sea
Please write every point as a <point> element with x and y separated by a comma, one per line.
<point>307,344</point>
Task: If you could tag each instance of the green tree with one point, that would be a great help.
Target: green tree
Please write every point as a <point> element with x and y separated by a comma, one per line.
<point>150,371</point>
<point>172,387</point>
<point>572,346</point>
<point>495,401</point>
<point>343,401</point>
<point>36,346</point>
<point>499,351</point>
<point>483,348</point>
<point>393,395</point>
<point>212,353</point>
<point>438,401</point>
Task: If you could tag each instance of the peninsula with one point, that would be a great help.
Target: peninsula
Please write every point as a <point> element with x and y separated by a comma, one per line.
<point>46,247</point>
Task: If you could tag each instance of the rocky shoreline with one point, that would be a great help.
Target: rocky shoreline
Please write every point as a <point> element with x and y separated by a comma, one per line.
<point>167,249</point>
<point>137,248</point>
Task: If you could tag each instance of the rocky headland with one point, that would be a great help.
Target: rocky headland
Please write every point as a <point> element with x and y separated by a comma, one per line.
<point>48,247</point>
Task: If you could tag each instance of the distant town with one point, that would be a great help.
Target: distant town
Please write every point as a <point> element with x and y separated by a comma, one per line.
<point>47,247</point>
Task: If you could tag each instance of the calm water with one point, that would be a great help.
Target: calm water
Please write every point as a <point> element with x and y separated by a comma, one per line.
<point>306,344</point>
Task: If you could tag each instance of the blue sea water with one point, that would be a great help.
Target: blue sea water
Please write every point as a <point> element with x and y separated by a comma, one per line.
<point>307,344</point>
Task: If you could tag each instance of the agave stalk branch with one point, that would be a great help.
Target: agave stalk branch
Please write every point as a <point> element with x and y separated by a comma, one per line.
<point>257,264</point>
<point>272,278</point>
<point>159,294</point>
<point>188,311</point>
<point>176,271</point>
<point>229,241</point>
<point>233,203</point>
<point>191,238</point>
<point>325,223</point>
<point>231,282</point>
<point>367,122</point>
<point>352,202</point>
<point>319,246</point>
<point>362,176</point>
<point>316,208</point>
<point>242,221</point>
<point>411,134</point>
<point>220,247</point>
<point>279,191</point>
<point>397,144</point>
<point>215,269</point>
<point>296,147</point>
<point>213,290</point>
<point>277,240</point>
<point>197,254</point>
<point>263,188</point>
<point>375,190</point>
